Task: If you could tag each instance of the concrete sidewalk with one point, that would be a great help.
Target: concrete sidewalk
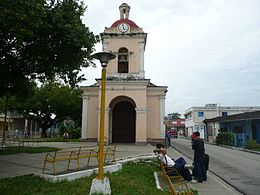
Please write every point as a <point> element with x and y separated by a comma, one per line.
<point>23,164</point>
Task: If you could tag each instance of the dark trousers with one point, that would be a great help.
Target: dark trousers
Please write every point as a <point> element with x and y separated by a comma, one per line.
<point>168,139</point>
<point>199,171</point>
<point>179,165</point>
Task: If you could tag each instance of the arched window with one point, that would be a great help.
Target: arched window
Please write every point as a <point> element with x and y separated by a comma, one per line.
<point>123,60</point>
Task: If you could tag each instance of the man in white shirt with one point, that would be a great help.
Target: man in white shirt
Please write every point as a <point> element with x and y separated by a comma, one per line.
<point>178,164</point>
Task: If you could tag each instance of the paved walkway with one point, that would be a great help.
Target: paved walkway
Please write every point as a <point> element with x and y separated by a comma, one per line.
<point>22,164</point>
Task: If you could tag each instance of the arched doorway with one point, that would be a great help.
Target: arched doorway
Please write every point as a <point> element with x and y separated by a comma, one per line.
<point>123,122</point>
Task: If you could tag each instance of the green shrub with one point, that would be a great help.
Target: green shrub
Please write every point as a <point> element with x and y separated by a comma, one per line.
<point>252,145</point>
<point>225,138</point>
<point>73,132</point>
<point>62,130</point>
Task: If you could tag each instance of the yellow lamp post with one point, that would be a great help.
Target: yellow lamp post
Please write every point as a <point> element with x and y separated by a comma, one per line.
<point>100,185</point>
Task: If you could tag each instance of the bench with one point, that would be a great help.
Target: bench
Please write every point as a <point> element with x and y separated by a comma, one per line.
<point>175,181</point>
<point>12,141</point>
<point>85,152</point>
<point>77,154</point>
<point>110,151</point>
<point>172,173</point>
<point>61,155</point>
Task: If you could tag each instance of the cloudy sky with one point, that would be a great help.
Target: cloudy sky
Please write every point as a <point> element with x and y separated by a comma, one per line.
<point>205,51</point>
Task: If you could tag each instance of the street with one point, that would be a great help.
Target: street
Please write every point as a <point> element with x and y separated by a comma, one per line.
<point>238,168</point>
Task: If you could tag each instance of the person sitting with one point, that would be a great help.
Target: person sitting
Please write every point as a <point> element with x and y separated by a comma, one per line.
<point>66,135</point>
<point>179,164</point>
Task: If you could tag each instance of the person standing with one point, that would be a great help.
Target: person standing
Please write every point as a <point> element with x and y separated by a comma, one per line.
<point>168,138</point>
<point>198,160</point>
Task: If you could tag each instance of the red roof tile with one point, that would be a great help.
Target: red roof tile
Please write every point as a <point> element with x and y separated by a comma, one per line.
<point>129,22</point>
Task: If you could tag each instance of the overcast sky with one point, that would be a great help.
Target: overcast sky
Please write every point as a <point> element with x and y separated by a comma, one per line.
<point>205,51</point>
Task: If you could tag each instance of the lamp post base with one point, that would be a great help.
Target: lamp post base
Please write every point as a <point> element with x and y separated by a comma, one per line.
<point>100,186</point>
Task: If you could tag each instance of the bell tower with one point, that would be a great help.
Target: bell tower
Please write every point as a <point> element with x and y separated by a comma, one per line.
<point>134,107</point>
<point>124,11</point>
<point>127,40</point>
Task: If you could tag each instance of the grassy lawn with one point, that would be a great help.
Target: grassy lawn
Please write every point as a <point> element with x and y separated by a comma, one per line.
<point>133,179</point>
<point>31,150</point>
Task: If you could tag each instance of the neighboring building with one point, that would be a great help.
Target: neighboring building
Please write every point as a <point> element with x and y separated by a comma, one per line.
<point>245,126</point>
<point>177,124</point>
<point>134,107</point>
<point>195,116</point>
<point>9,122</point>
<point>15,121</point>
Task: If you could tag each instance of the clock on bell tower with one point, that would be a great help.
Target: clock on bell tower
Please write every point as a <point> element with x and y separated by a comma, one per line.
<point>123,27</point>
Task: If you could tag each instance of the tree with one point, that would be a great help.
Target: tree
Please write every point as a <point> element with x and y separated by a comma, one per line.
<point>8,101</point>
<point>72,79</point>
<point>41,39</point>
<point>51,104</point>
<point>174,115</point>
<point>44,40</point>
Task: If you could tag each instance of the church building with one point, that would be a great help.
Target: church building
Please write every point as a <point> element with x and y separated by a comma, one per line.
<point>134,107</point>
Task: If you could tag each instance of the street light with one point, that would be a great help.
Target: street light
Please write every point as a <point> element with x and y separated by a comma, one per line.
<point>101,184</point>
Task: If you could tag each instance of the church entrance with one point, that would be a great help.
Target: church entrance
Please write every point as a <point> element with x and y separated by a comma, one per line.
<point>123,122</point>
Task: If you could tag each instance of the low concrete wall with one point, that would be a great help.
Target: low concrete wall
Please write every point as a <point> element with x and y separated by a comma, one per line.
<point>79,174</point>
<point>107,169</point>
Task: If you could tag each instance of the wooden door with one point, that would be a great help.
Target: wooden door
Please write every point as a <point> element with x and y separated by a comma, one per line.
<point>123,123</point>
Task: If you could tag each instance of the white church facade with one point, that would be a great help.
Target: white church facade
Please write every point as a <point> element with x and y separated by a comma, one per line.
<point>134,107</point>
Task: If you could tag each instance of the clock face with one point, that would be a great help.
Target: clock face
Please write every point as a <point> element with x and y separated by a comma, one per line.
<point>123,27</point>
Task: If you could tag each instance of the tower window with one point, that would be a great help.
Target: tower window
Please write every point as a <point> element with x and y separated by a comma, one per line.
<point>123,60</point>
